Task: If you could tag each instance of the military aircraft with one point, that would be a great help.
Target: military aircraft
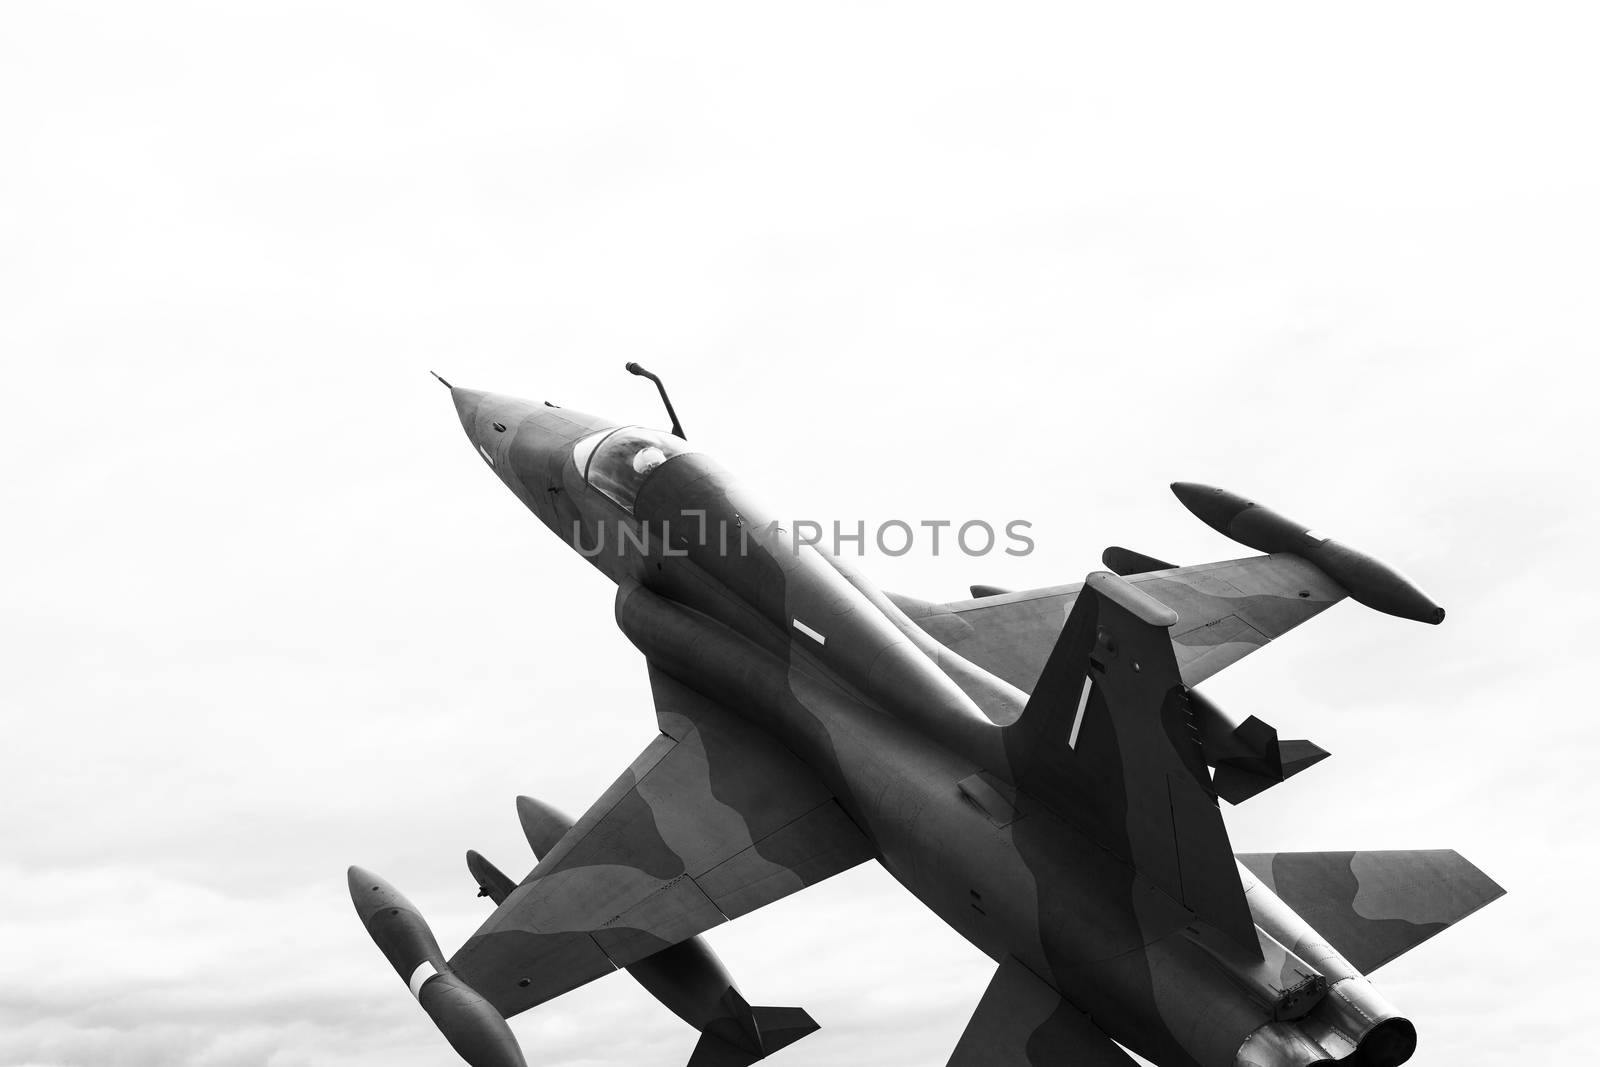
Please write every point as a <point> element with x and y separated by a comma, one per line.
<point>1036,767</point>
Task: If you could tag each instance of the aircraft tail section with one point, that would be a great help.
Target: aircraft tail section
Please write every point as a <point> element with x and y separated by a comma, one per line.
<point>1109,739</point>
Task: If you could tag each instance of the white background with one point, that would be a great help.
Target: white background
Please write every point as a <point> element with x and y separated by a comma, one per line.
<point>266,614</point>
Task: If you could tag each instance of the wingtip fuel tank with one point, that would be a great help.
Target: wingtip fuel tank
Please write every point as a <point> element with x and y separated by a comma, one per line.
<point>1369,581</point>
<point>478,1033</point>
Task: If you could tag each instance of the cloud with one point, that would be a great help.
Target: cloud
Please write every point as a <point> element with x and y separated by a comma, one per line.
<point>267,616</point>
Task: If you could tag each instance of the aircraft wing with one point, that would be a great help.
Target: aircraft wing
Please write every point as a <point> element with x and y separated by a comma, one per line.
<point>713,820</point>
<point>1022,1022</point>
<point>1225,612</point>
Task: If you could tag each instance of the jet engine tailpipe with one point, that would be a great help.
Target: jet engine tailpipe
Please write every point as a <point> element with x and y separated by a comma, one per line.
<point>1388,1044</point>
<point>470,1023</point>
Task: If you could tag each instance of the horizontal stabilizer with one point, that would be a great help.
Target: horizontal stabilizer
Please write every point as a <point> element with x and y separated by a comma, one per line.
<point>1126,561</point>
<point>492,882</point>
<point>779,1028</point>
<point>1374,906</point>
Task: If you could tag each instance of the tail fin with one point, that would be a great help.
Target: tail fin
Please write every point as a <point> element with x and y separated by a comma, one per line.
<point>1109,732</point>
<point>1375,906</point>
<point>778,1027</point>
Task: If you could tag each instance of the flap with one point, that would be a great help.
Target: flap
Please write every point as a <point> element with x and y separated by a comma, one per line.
<point>713,820</point>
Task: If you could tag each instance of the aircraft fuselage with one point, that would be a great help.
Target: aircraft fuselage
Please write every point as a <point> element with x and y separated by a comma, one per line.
<point>907,735</point>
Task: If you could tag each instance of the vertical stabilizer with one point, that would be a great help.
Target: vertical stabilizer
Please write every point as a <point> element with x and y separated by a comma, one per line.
<point>1108,738</point>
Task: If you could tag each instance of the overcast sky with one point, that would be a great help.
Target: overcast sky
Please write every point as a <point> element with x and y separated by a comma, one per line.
<point>266,614</point>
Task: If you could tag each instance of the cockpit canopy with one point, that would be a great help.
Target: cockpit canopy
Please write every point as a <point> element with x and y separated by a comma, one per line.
<point>618,461</point>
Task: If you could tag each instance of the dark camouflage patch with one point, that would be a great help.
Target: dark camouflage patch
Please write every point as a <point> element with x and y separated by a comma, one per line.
<point>1374,906</point>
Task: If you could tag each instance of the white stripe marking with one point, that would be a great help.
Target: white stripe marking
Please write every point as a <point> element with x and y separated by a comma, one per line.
<point>809,632</point>
<point>1083,704</point>
<point>418,979</point>
<point>486,457</point>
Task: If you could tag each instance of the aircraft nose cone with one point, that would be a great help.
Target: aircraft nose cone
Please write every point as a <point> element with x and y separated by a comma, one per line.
<point>469,402</point>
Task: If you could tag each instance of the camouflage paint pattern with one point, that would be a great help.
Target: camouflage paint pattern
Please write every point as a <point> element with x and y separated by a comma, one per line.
<point>1226,611</point>
<point>1372,904</point>
<point>688,978</point>
<point>1029,765</point>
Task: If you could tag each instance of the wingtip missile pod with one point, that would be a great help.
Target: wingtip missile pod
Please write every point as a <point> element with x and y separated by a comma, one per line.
<point>478,1033</point>
<point>1368,580</point>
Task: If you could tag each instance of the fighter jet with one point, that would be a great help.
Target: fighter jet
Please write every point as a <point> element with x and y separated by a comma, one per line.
<point>1037,767</point>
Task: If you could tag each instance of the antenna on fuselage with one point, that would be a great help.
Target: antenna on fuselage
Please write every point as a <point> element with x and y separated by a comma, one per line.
<point>677,427</point>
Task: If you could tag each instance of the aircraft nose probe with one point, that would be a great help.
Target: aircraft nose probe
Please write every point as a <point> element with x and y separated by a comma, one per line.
<point>477,1032</point>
